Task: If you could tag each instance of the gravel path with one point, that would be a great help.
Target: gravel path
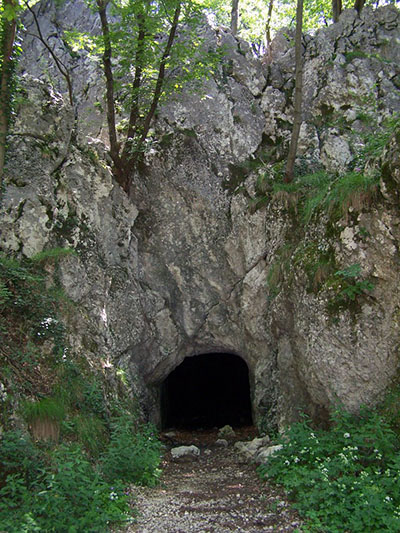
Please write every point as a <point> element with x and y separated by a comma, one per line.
<point>216,493</point>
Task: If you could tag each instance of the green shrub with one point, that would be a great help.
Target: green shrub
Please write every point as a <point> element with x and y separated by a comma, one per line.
<point>80,389</point>
<point>76,498</point>
<point>90,431</point>
<point>133,454</point>
<point>93,398</point>
<point>16,506</point>
<point>69,497</point>
<point>342,479</point>
<point>44,487</point>
<point>18,455</point>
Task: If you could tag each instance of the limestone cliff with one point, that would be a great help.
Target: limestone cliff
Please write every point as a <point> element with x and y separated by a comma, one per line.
<point>183,266</point>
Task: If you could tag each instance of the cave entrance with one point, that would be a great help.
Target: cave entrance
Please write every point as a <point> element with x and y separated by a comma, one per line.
<point>207,391</point>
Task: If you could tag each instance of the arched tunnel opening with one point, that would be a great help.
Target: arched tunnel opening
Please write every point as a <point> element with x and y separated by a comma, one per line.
<point>207,391</point>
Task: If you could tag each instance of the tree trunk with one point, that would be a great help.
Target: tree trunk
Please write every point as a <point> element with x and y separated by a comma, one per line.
<point>124,162</point>
<point>268,25</point>
<point>110,98</point>
<point>235,16</point>
<point>137,82</point>
<point>133,158</point>
<point>336,9</point>
<point>7,47</point>
<point>298,96</point>
<point>358,5</point>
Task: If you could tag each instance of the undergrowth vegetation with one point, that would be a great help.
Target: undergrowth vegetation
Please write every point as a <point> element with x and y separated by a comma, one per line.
<point>346,478</point>
<point>82,445</point>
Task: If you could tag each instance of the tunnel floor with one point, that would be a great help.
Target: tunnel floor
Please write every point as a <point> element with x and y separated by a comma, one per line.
<point>206,391</point>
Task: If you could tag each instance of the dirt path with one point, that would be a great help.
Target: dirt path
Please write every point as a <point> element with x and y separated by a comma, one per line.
<point>217,493</point>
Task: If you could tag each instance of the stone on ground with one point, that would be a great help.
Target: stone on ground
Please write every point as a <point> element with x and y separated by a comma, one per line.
<point>185,453</point>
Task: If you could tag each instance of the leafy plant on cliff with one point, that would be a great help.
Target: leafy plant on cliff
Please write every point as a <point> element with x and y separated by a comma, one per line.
<point>347,284</point>
<point>335,195</point>
<point>322,192</point>
<point>376,142</point>
<point>342,479</point>
<point>317,260</point>
<point>279,269</point>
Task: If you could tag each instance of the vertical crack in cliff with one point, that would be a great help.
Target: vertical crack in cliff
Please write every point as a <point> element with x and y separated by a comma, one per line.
<point>261,257</point>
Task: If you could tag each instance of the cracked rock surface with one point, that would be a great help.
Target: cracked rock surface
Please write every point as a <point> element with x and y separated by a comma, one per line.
<point>183,266</point>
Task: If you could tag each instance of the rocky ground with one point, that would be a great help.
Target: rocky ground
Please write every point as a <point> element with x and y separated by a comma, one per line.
<point>218,492</point>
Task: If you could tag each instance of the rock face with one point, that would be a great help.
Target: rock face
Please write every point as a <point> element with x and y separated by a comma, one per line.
<point>182,267</point>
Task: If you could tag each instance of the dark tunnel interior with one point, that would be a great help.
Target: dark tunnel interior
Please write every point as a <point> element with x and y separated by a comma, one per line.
<point>206,391</point>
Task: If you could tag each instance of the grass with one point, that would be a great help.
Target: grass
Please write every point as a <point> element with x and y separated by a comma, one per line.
<point>322,192</point>
<point>278,270</point>
<point>90,431</point>
<point>46,408</point>
<point>53,254</point>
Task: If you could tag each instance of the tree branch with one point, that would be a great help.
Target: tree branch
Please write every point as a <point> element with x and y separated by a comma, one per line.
<point>60,65</point>
<point>134,114</point>
<point>161,76</point>
<point>110,98</point>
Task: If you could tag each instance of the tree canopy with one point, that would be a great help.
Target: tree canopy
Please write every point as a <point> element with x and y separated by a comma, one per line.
<point>152,49</point>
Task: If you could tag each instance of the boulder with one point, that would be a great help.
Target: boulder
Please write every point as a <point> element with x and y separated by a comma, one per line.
<point>265,453</point>
<point>185,453</point>
<point>250,450</point>
<point>226,431</point>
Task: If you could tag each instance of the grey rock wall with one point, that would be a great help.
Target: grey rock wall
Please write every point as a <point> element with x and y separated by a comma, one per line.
<point>182,267</point>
